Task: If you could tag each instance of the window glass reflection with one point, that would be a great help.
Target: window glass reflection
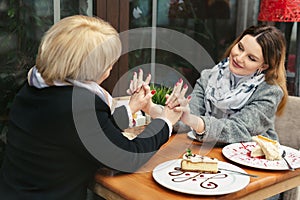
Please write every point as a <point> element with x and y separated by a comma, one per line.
<point>210,22</point>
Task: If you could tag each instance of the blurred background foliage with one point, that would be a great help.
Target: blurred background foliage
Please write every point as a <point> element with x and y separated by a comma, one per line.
<point>22,24</point>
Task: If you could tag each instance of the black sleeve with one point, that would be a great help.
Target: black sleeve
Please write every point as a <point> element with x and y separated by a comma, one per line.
<point>120,117</point>
<point>105,142</point>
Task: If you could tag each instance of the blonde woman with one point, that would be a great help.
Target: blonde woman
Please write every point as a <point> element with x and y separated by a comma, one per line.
<point>63,126</point>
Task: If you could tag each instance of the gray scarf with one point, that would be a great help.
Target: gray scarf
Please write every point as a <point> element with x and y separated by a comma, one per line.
<point>226,92</point>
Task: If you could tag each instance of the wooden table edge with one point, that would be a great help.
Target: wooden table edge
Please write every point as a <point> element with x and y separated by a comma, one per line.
<point>274,189</point>
<point>106,193</point>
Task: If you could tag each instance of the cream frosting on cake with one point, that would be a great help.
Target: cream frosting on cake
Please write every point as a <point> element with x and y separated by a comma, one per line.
<point>266,146</point>
<point>198,163</point>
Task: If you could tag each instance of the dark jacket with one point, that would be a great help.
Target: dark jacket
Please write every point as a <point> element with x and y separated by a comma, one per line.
<point>59,136</point>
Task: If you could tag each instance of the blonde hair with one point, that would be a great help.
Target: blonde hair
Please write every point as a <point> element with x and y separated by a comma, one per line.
<point>273,47</point>
<point>79,48</point>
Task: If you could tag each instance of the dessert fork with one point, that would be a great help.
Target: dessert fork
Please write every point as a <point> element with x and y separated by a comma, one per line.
<point>287,162</point>
<point>237,172</point>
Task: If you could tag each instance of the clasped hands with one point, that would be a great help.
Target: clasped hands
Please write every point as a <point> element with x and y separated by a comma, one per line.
<point>176,107</point>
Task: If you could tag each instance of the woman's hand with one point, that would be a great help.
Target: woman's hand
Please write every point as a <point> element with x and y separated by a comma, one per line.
<point>178,93</point>
<point>187,118</point>
<point>172,115</point>
<point>185,109</point>
<point>173,101</point>
<point>137,82</point>
<point>141,99</point>
<point>141,96</point>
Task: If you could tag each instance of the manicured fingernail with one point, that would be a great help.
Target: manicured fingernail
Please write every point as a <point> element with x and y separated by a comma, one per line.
<point>185,86</point>
<point>153,92</point>
<point>134,73</point>
<point>189,97</point>
<point>176,84</point>
<point>180,80</point>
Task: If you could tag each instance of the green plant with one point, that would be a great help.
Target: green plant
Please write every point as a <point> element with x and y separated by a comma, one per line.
<point>160,96</point>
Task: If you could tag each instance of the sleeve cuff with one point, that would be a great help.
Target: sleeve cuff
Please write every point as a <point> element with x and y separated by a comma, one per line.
<point>130,118</point>
<point>168,123</point>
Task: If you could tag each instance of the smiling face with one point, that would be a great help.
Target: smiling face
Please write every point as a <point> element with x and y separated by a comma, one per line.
<point>246,57</point>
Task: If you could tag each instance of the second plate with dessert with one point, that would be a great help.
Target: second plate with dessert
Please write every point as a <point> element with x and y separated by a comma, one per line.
<point>240,153</point>
<point>169,175</point>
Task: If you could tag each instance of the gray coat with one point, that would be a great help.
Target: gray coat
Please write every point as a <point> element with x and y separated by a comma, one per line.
<point>256,117</point>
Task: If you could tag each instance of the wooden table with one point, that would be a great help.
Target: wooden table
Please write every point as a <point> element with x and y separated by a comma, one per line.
<point>141,185</point>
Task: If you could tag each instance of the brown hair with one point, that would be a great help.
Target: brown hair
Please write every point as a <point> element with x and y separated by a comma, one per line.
<point>273,47</point>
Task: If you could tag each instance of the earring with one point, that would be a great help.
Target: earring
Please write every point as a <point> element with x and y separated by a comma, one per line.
<point>259,71</point>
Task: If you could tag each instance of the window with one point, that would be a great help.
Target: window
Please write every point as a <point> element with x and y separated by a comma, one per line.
<point>22,25</point>
<point>211,24</point>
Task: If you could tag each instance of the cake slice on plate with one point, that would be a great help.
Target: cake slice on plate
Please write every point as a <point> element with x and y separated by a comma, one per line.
<point>257,152</point>
<point>197,163</point>
<point>266,146</point>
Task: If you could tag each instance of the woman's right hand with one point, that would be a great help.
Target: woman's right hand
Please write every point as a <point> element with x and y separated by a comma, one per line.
<point>185,109</point>
<point>195,122</point>
<point>172,115</point>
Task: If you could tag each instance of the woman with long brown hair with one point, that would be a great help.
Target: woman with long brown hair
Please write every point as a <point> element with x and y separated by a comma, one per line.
<point>240,96</point>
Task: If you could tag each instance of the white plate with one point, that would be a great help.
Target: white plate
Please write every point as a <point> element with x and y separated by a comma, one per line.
<point>240,153</point>
<point>168,174</point>
<point>191,135</point>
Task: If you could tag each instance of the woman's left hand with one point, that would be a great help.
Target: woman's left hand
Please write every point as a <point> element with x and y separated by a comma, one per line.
<point>137,82</point>
<point>178,93</point>
<point>140,100</point>
<point>178,102</point>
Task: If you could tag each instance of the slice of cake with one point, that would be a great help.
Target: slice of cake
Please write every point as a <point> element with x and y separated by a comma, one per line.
<point>257,152</point>
<point>270,148</point>
<point>197,163</point>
